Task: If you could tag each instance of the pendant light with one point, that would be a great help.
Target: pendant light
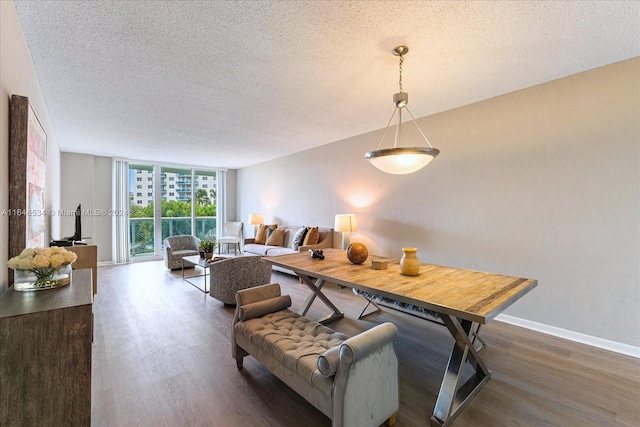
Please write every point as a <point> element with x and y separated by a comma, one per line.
<point>401,160</point>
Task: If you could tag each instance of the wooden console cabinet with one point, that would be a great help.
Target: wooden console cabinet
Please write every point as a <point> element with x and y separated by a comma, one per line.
<point>87,258</point>
<point>45,355</point>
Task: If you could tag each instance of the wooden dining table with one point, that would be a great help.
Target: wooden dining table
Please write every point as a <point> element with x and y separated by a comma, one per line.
<point>461,298</point>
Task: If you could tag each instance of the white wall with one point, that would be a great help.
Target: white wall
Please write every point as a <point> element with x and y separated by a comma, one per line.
<point>232,199</point>
<point>18,77</point>
<point>86,180</point>
<point>541,183</point>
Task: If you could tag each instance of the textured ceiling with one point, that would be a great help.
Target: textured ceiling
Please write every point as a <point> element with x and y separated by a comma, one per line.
<point>234,83</point>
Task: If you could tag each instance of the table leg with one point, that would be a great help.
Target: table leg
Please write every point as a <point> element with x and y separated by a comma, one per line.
<point>206,269</point>
<point>186,279</point>
<point>316,291</point>
<point>453,397</point>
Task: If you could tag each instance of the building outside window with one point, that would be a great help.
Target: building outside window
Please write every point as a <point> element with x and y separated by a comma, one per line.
<point>178,216</point>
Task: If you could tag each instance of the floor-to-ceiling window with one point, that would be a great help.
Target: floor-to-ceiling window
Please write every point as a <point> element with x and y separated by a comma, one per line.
<point>168,201</point>
<point>141,212</point>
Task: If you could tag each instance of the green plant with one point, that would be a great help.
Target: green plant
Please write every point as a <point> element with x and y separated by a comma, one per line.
<point>207,246</point>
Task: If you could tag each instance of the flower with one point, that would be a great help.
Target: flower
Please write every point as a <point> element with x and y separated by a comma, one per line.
<point>42,258</point>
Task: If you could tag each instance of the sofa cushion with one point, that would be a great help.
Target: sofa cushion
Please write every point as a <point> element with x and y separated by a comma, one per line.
<point>261,234</point>
<point>312,236</point>
<point>298,238</point>
<point>277,237</point>
<point>276,251</point>
<point>185,252</point>
<point>257,249</point>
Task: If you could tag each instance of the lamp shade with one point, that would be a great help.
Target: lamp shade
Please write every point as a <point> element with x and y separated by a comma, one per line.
<point>346,223</point>
<point>256,219</point>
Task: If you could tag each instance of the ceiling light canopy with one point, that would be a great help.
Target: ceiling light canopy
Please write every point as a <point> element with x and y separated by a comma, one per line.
<point>401,160</point>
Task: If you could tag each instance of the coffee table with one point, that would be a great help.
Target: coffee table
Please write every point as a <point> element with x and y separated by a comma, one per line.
<point>204,263</point>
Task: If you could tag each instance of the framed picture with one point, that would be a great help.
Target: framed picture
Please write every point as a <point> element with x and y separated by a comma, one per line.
<point>27,169</point>
<point>36,170</point>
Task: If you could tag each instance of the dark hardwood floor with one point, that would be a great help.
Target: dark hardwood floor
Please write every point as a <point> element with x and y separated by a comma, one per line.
<point>162,357</point>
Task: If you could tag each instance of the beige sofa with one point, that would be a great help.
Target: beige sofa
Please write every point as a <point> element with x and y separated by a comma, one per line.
<point>353,381</point>
<point>325,241</point>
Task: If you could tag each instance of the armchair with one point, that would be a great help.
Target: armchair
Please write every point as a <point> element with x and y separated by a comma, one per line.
<point>233,274</point>
<point>176,247</point>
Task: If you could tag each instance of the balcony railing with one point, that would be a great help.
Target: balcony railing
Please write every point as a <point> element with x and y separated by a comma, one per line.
<point>141,231</point>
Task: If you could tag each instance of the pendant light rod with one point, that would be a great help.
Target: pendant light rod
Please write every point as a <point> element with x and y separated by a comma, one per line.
<point>418,126</point>
<point>386,128</point>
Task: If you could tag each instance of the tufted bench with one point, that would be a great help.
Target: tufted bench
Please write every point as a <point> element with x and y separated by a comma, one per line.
<point>353,381</point>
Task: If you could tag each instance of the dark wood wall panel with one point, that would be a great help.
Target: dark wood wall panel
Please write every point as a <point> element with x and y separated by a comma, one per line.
<point>19,123</point>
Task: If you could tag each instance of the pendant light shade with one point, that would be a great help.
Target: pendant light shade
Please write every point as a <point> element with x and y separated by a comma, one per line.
<point>401,160</point>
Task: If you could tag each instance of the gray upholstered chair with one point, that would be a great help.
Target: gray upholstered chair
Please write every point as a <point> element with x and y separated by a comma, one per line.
<point>176,247</point>
<point>233,237</point>
<point>233,274</point>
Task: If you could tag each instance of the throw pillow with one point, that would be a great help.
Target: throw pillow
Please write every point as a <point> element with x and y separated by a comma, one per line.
<point>312,237</point>
<point>298,238</point>
<point>328,361</point>
<point>260,308</point>
<point>261,234</point>
<point>277,237</point>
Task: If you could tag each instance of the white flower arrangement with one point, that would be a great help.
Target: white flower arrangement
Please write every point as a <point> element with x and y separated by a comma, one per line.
<point>31,259</point>
<point>44,263</point>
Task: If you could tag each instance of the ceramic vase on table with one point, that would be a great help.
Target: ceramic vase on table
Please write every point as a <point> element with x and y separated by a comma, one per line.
<point>409,263</point>
<point>41,278</point>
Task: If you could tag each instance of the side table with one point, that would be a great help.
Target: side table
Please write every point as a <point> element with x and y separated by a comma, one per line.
<point>204,263</point>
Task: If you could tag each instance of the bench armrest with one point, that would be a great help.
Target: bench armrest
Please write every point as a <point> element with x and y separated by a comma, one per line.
<point>249,296</point>
<point>257,293</point>
<point>362,345</point>
<point>260,308</point>
<point>367,377</point>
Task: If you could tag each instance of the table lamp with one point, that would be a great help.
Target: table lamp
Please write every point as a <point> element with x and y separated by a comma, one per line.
<point>346,223</point>
<point>255,219</point>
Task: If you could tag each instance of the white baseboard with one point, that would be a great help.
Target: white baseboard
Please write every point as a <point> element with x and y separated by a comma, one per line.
<point>105,263</point>
<point>614,346</point>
